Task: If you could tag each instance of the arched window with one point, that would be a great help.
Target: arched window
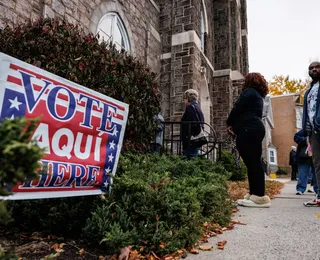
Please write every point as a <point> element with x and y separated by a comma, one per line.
<point>111,29</point>
<point>203,25</point>
<point>202,30</point>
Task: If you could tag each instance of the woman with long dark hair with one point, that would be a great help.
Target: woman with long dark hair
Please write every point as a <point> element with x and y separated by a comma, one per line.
<point>245,121</point>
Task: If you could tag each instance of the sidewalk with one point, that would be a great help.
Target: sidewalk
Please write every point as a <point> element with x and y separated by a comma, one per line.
<point>287,230</point>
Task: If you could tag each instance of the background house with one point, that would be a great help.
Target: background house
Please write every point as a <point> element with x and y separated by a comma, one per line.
<point>199,44</point>
<point>269,151</point>
<point>287,114</point>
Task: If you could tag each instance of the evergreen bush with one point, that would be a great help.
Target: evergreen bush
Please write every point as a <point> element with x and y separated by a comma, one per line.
<point>228,162</point>
<point>160,204</point>
<point>19,157</point>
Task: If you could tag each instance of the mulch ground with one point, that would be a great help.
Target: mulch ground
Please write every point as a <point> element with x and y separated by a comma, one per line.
<point>36,246</point>
<point>238,189</point>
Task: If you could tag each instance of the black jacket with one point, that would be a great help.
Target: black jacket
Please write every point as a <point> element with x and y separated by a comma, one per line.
<point>247,111</point>
<point>301,140</point>
<point>292,158</point>
<point>194,113</point>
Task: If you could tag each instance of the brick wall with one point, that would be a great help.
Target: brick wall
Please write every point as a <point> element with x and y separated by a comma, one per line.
<point>284,115</point>
<point>222,34</point>
<point>244,35</point>
<point>236,40</point>
<point>222,101</point>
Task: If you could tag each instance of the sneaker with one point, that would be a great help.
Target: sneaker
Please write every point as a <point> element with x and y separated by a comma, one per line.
<point>247,196</point>
<point>255,202</point>
<point>299,193</point>
<point>313,202</point>
<point>309,189</point>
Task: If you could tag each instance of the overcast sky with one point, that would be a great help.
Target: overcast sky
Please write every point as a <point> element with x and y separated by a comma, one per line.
<point>284,36</point>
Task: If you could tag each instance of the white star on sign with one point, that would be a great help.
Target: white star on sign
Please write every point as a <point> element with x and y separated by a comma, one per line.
<point>115,131</point>
<point>111,157</point>
<point>15,103</point>
<point>112,144</point>
<point>108,170</point>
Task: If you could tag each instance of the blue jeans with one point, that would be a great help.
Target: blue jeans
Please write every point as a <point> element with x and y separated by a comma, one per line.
<point>191,151</point>
<point>303,170</point>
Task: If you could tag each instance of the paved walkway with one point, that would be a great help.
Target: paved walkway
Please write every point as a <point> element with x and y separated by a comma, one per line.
<point>288,230</point>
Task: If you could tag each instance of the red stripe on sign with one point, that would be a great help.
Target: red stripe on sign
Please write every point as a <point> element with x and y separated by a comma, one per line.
<point>118,116</point>
<point>14,80</point>
<point>39,76</point>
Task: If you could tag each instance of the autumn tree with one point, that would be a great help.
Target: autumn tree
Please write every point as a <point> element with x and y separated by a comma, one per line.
<point>284,85</point>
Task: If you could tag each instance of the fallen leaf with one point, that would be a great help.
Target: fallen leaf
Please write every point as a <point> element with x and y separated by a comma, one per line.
<point>81,251</point>
<point>162,245</point>
<point>55,246</point>
<point>224,229</point>
<point>318,216</point>
<point>221,244</point>
<point>142,248</point>
<point>238,222</point>
<point>206,248</point>
<point>101,257</point>
<point>194,251</point>
<point>219,231</point>
<point>234,210</point>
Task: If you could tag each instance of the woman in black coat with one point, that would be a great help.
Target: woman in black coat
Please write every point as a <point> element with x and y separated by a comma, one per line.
<point>245,121</point>
<point>192,113</point>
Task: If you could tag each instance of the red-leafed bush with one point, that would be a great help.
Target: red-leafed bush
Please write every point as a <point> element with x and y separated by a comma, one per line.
<point>65,50</point>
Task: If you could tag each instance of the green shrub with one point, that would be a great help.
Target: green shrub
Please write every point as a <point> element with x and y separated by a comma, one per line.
<point>157,200</point>
<point>154,200</point>
<point>282,171</point>
<point>63,49</point>
<point>64,216</point>
<point>18,157</point>
<point>228,162</point>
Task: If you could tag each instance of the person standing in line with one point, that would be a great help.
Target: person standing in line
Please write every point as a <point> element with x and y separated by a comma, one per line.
<point>157,143</point>
<point>293,163</point>
<point>245,121</point>
<point>311,122</point>
<point>304,161</point>
<point>193,113</point>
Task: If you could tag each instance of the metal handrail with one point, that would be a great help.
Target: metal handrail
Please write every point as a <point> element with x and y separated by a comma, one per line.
<point>173,137</point>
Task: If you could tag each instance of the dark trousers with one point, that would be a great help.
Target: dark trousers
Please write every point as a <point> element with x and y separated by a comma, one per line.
<point>249,145</point>
<point>294,168</point>
<point>315,146</point>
